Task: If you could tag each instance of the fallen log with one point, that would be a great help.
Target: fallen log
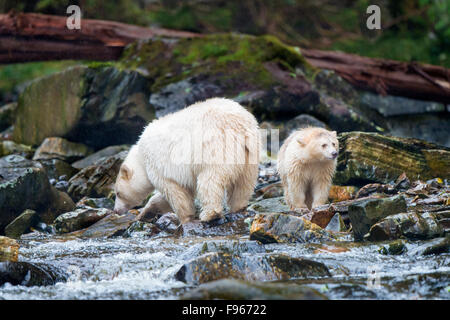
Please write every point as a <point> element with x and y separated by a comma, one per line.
<point>34,37</point>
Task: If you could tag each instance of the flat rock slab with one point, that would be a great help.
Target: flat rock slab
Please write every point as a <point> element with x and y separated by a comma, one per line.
<point>279,227</point>
<point>62,149</point>
<point>232,289</point>
<point>21,224</point>
<point>79,219</point>
<point>110,226</point>
<point>265,267</point>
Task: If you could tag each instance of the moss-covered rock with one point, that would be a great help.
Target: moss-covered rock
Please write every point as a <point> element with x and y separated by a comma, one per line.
<point>278,227</point>
<point>272,79</point>
<point>370,157</point>
<point>97,106</point>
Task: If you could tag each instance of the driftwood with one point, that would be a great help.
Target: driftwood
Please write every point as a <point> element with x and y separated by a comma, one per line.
<point>34,37</point>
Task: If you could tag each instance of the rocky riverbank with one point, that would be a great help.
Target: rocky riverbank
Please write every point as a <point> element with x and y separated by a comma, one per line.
<point>383,234</point>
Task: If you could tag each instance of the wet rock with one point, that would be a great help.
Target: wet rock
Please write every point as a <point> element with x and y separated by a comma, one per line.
<point>396,247</point>
<point>178,95</point>
<point>265,267</point>
<point>9,249</point>
<point>56,168</point>
<point>168,222</point>
<point>372,188</point>
<point>278,227</point>
<point>30,274</point>
<point>10,147</point>
<point>62,149</point>
<point>277,204</point>
<point>273,190</point>
<point>342,193</point>
<point>97,180</point>
<point>366,213</point>
<point>93,158</point>
<point>96,203</point>
<point>79,219</point>
<point>233,247</point>
<point>232,224</point>
<point>23,185</point>
<point>300,121</point>
<point>409,225</point>
<point>434,246</point>
<point>22,224</point>
<point>336,224</point>
<point>232,289</point>
<point>60,202</point>
<point>110,226</point>
<point>373,158</point>
<point>96,106</point>
<point>141,229</point>
<point>7,115</point>
<point>402,183</point>
<point>321,215</point>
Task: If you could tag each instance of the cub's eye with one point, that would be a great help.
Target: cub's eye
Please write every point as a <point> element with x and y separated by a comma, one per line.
<point>334,144</point>
<point>324,145</point>
<point>118,194</point>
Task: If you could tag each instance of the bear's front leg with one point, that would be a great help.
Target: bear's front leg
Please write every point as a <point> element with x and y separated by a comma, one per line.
<point>157,204</point>
<point>320,191</point>
<point>180,199</point>
<point>296,194</point>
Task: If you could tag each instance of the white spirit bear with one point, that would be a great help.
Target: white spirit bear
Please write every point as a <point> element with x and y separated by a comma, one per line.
<point>206,150</point>
<point>306,164</point>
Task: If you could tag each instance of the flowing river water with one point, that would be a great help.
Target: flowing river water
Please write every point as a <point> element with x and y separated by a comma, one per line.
<point>144,268</point>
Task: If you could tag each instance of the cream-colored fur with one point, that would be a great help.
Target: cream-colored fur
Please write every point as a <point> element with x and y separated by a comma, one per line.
<point>306,164</point>
<point>203,151</point>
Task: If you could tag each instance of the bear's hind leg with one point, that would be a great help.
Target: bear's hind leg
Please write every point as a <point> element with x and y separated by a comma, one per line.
<point>210,191</point>
<point>180,199</point>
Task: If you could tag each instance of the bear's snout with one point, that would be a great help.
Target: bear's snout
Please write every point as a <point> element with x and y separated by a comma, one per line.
<point>334,154</point>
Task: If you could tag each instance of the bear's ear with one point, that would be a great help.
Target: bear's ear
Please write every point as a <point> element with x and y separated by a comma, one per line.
<point>334,133</point>
<point>300,142</point>
<point>126,172</point>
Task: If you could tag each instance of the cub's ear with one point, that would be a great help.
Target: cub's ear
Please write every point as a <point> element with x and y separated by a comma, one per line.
<point>334,133</point>
<point>300,142</point>
<point>126,172</point>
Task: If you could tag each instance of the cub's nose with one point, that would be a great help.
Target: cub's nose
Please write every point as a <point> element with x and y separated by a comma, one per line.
<point>334,154</point>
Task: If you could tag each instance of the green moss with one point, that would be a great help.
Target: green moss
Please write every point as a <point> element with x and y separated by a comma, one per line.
<point>230,58</point>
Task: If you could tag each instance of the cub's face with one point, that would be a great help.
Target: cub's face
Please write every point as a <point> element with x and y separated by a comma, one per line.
<point>324,147</point>
<point>127,196</point>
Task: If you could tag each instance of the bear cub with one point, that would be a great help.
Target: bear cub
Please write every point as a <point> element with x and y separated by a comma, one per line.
<point>306,164</point>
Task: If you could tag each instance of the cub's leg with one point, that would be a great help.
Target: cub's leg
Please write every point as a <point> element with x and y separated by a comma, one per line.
<point>210,191</point>
<point>320,190</point>
<point>241,190</point>
<point>180,199</point>
<point>296,194</point>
